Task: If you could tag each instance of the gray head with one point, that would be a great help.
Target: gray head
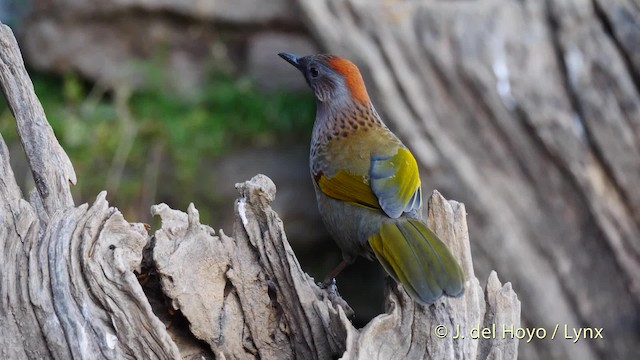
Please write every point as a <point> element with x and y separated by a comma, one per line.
<point>332,78</point>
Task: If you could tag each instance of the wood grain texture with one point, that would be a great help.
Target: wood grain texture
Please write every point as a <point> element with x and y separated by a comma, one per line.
<point>529,112</point>
<point>68,287</point>
<point>51,168</point>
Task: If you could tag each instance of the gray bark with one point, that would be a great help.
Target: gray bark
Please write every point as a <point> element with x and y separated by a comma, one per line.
<point>69,290</point>
<point>529,112</point>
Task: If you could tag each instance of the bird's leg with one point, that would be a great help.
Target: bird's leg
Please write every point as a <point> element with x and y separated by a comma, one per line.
<point>329,279</point>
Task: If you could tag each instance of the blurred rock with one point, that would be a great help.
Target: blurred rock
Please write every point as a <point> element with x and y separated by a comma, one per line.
<point>11,11</point>
<point>131,42</point>
<point>94,50</point>
<point>269,71</point>
<point>235,11</point>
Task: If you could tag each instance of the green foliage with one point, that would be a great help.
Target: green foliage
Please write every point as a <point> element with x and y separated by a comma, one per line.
<point>228,112</point>
<point>96,131</point>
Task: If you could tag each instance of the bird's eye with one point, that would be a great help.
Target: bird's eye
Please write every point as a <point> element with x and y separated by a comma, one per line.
<point>313,71</point>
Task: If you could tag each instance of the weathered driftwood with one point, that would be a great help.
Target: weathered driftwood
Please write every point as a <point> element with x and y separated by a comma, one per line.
<point>69,290</point>
<point>529,112</point>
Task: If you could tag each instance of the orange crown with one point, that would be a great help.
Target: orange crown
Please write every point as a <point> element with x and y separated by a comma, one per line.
<point>352,77</point>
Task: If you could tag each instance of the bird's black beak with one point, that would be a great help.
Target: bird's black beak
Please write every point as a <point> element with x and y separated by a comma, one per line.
<point>292,59</point>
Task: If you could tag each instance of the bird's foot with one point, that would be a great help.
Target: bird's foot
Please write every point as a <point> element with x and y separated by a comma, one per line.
<point>330,287</point>
<point>328,284</point>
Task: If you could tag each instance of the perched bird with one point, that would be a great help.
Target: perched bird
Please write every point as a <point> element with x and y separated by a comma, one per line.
<point>367,184</point>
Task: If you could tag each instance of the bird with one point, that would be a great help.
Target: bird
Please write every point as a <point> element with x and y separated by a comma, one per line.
<point>368,186</point>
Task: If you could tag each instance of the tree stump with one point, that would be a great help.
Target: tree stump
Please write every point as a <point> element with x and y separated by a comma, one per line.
<point>69,289</point>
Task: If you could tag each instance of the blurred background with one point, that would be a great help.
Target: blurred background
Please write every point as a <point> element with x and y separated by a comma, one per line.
<point>176,103</point>
<point>527,111</point>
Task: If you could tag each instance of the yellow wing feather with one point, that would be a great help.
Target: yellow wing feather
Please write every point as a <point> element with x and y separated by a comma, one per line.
<point>394,185</point>
<point>350,188</point>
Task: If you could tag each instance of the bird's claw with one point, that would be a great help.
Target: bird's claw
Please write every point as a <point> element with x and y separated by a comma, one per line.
<point>328,284</point>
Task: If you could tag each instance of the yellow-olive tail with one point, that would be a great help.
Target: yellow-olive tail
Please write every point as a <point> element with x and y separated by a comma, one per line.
<point>413,255</point>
